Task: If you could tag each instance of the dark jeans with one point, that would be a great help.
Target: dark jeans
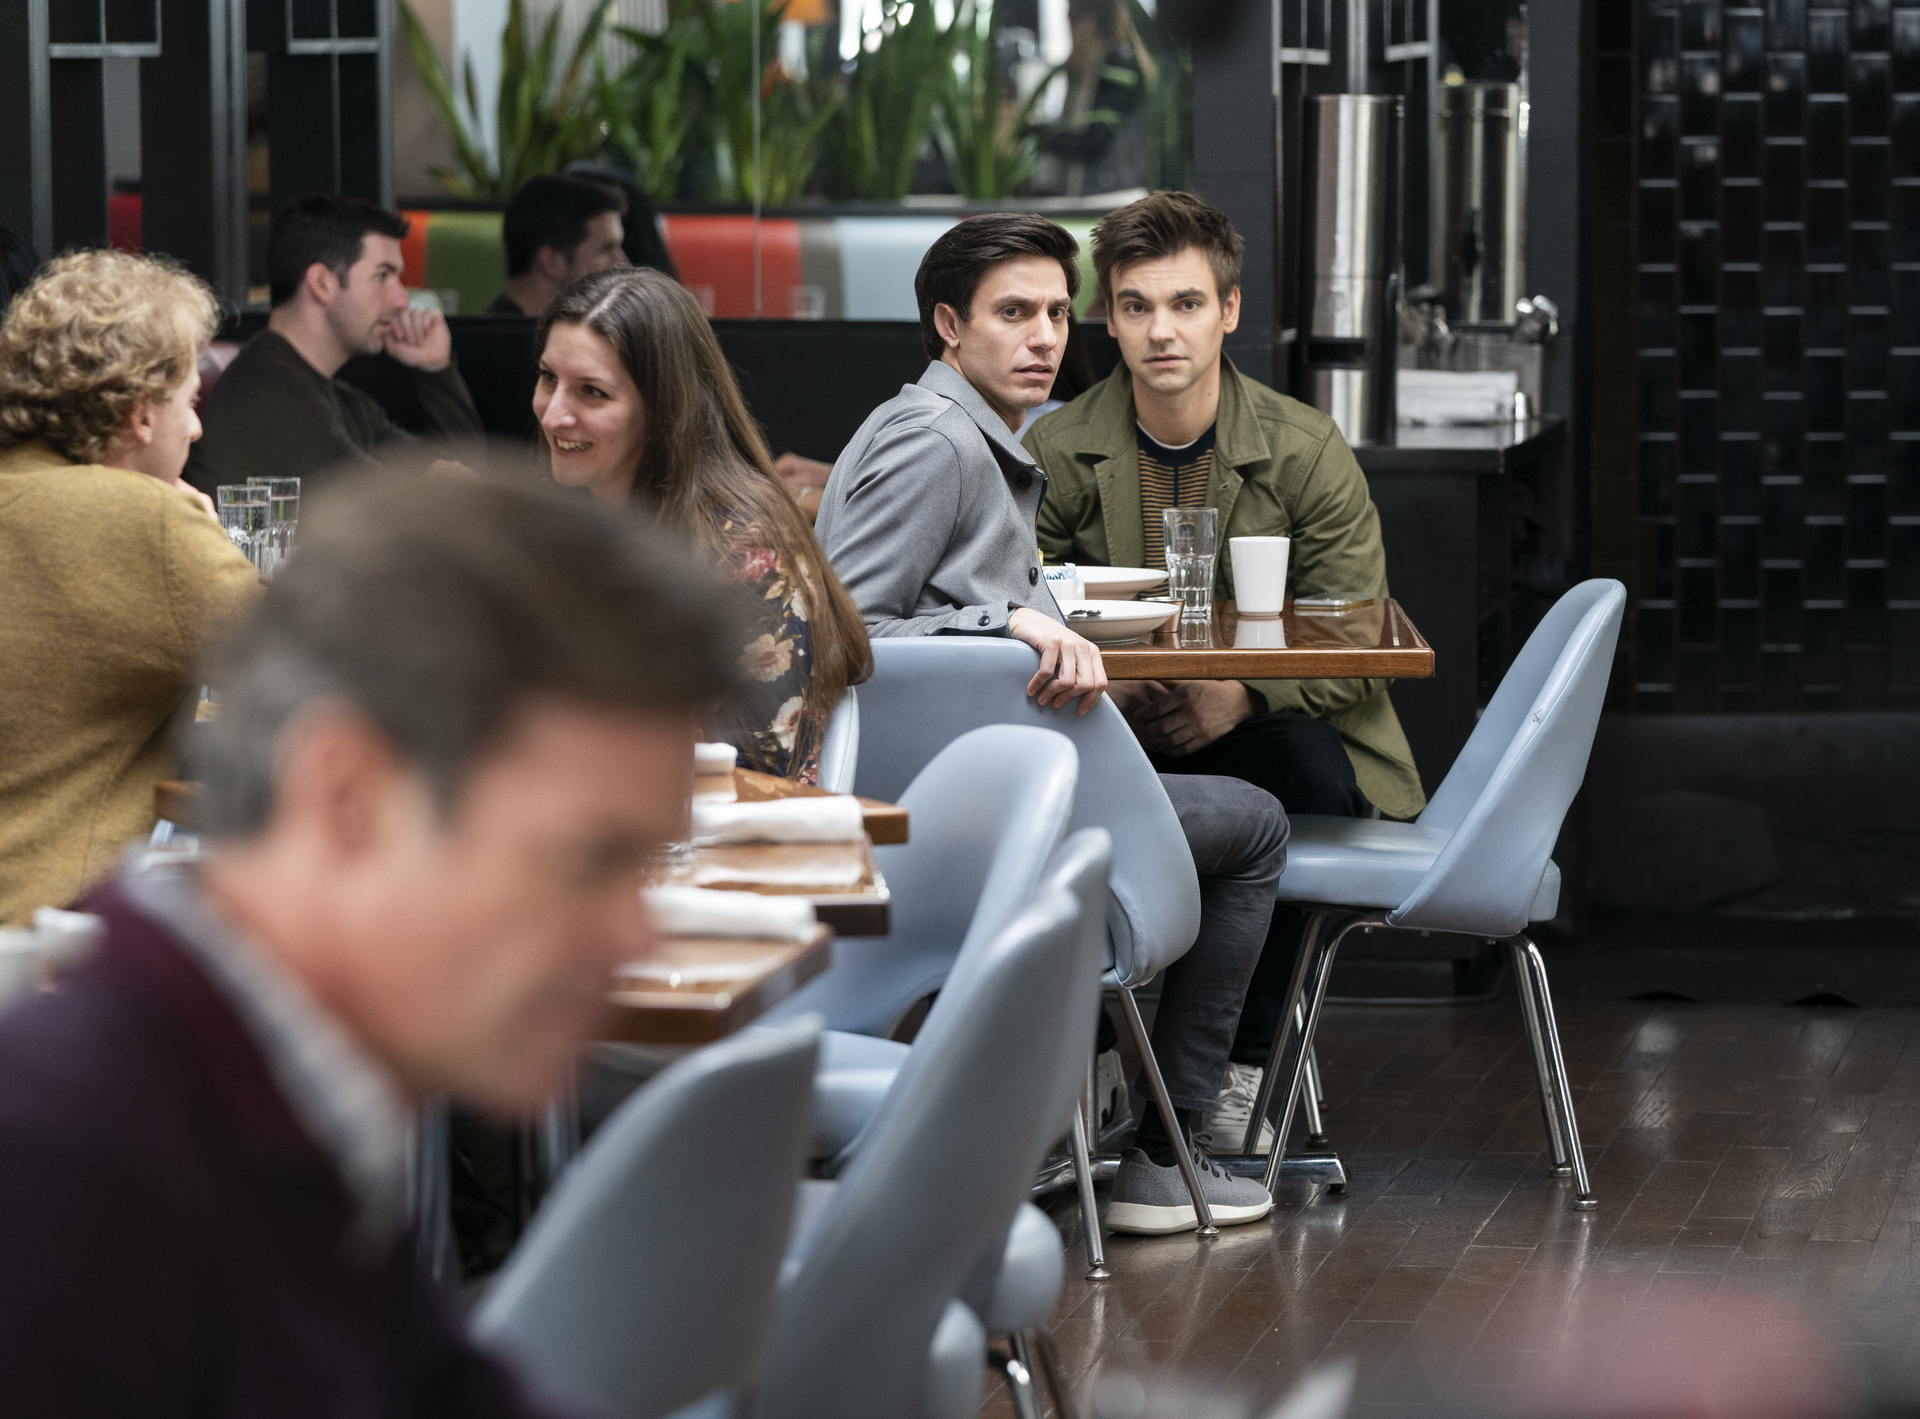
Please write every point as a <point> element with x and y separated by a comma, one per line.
<point>1302,762</point>
<point>1238,836</point>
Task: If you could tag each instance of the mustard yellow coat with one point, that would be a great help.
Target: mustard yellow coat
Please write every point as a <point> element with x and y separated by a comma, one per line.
<point>111,583</point>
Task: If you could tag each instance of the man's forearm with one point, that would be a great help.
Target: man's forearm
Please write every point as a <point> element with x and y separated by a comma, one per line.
<point>447,403</point>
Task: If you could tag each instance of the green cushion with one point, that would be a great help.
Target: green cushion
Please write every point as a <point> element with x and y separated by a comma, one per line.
<point>464,254</point>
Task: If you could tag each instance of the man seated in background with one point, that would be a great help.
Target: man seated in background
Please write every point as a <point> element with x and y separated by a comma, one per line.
<point>556,230</point>
<point>278,411</point>
<point>929,521</point>
<point>452,732</point>
<point>1176,425</point>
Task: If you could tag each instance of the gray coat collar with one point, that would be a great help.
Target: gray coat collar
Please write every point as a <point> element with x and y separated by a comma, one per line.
<point>943,379</point>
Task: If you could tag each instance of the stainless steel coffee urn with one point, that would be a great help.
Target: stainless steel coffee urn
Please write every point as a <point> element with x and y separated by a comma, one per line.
<point>1352,202</point>
<point>1476,230</point>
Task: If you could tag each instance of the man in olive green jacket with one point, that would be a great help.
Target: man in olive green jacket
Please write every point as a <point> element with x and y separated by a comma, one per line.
<point>1278,468</point>
<point>1177,426</point>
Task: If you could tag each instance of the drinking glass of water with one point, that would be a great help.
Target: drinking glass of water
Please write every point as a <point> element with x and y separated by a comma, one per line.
<point>244,513</point>
<point>283,513</point>
<point>1193,540</point>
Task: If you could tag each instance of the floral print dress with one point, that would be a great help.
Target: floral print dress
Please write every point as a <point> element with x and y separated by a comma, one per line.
<point>771,723</point>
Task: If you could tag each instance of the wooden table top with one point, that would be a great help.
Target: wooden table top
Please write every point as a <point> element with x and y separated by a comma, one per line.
<point>1374,641</point>
<point>694,990</point>
<point>886,822</point>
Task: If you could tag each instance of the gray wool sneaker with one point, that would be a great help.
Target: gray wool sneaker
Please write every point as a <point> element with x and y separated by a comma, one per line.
<point>1153,1201</point>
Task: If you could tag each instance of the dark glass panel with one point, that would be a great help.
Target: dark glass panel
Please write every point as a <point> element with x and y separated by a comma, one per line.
<point>1699,520</point>
<point>1660,53</point>
<point>1826,394</point>
<point>1699,24</point>
<point>1739,477</point>
<point>1782,182</point>
<point>1740,561</point>
<point>1657,218</point>
<point>1699,436</point>
<point>1657,310</point>
<point>1786,24</point>
<point>1740,309</point>
<point>1699,266</point>
<point>1740,224</point>
<point>1700,97</point>
<point>1870,91</point>
<point>1866,352</point>
<point>1786,94</point>
<point>1782,351</point>
<point>1659,126</point>
<point>1903,392</point>
<point>1906,136</point>
<point>1906,50</point>
<point>1826,140</point>
<point>1657,477</point>
<point>1826,310</point>
<point>1740,393</point>
<point>1780,611</point>
<point>1656,394</point>
<point>1869,182</point>
<point>1827,52</point>
<point>1872,24</point>
<point>1699,347</point>
<point>1871,264</point>
<point>1740,136</point>
<point>1699,182</point>
<point>1904,212</point>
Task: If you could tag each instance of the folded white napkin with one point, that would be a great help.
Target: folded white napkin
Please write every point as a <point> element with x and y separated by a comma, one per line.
<point>698,911</point>
<point>714,758</point>
<point>783,820</point>
<point>841,871</point>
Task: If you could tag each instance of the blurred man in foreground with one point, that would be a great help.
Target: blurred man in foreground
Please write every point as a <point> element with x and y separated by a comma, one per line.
<point>279,411</point>
<point>451,732</point>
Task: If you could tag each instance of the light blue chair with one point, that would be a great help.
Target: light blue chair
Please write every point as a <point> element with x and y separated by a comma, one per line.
<point>986,813</point>
<point>869,1321</point>
<point>1476,862</point>
<point>926,690</point>
<point>1016,1285</point>
<point>840,749</point>
<point>623,1297</point>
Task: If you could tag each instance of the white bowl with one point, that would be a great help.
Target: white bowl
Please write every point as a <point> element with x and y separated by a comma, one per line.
<point>1119,622</point>
<point>1119,582</point>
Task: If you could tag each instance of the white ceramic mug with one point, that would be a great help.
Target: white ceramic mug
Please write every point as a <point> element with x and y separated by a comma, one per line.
<point>1259,574</point>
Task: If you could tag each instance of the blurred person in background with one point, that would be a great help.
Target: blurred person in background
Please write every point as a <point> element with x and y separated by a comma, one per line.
<point>112,570</point>
<point>452,732</point>
<point>334,264</point>
<point>638,406</point>
<point>556,230</point>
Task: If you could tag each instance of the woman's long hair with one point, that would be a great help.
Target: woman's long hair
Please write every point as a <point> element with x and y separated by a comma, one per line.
<point>704,463</point>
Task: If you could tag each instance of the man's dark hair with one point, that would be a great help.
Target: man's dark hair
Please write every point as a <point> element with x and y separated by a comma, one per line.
<point>330,230</point>
<point>1166,224</point>
<point>553,211</point>
<point>954,266</point>
<point>17,266</point>
<point>439,610</point>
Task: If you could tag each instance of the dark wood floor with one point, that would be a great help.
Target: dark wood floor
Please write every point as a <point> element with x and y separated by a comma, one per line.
<point>1758,1234</point>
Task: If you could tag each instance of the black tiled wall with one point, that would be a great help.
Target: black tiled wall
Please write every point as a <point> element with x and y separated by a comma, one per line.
<point>1776,161</point>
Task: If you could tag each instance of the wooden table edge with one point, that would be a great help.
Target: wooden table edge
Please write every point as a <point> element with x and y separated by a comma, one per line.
<point>663,1018</point>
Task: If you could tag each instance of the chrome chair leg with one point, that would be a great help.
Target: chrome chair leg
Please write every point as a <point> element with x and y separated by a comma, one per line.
<point>1584,1200</point>
<point>1320,973</point>
<point>432,1193</point>
<point>1313,1100</point>
<point>1291,1016</point>
<point>1181,1154</point>
<point>1019,1372</point>
<point>1543,1072</point>
<point>1089,1207</point>
<point>1063,1404</point>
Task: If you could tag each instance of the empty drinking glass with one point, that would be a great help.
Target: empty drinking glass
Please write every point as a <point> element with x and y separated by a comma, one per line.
<point>283,514</point>
<point>1193,539</point>
<point>244,513</point>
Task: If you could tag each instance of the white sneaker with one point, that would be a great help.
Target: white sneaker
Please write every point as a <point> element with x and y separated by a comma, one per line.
<point>1110,1099</point>
<point>1227,1120</point>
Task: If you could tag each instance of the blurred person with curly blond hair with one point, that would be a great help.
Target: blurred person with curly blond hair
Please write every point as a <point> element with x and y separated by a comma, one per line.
<point>111,569</point>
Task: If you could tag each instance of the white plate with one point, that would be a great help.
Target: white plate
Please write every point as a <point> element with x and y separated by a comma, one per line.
<point>1119,582</point>
<point>1119,622</point>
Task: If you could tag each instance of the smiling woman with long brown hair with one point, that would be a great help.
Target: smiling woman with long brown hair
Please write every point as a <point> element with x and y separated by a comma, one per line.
<point>638,404</point>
